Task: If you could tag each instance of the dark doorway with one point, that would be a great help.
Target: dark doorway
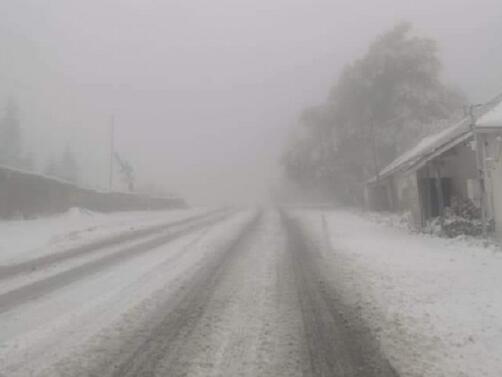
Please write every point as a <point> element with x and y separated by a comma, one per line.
<point>430,195</point>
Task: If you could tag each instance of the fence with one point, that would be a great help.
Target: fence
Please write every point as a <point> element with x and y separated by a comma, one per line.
<point>25,194</point>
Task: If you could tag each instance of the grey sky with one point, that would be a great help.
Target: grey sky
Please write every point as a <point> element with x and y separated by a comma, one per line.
<point>204,91</point>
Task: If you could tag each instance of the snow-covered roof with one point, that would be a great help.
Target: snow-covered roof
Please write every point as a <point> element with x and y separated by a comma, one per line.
<point>433,145</point>
<point>428,148</point>
<point>492,119</point>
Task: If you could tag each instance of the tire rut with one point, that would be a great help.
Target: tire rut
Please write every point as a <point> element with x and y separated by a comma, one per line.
<point>337,343</point>
<point>160,341</point>
<point>8,271</point>
<point>35,290</point>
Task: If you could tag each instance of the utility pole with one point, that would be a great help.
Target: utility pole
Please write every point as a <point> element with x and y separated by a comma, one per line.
<point>112,148</point>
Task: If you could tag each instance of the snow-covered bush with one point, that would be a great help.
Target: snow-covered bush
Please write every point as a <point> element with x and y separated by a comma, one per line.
<point>461,218</point>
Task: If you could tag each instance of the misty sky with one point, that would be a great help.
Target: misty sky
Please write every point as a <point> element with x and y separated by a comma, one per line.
<point>204,91</point>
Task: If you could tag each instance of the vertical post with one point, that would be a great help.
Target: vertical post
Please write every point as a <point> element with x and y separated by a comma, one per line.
<point>421,199</point>
<point>112,147</point>
<point>430,189</point>
<point>481,178</point>
<point>480,169</point>
<point>439,190</point>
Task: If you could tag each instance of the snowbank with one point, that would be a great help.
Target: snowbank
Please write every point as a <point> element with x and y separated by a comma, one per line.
<point>435,304</point>
<point>22,239</point>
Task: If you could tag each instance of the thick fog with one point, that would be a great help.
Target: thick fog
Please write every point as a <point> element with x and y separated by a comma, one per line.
<point>204,92</point>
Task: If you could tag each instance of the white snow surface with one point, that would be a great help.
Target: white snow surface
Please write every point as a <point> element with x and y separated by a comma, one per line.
<point>38,335</point>
<point>26,239</point>
<point>492,119</point>
<point>488,115</point>
<point>427,146</point>
<point>434,304</point>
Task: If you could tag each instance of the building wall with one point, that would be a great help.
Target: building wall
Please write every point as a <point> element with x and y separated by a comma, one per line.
<point>497,198</point>
<point>407,197</point>
<point>397,193</point>
<point>378,195</point>
<point>494,181</point>
<point>458,171</point>
<point>459,164</point>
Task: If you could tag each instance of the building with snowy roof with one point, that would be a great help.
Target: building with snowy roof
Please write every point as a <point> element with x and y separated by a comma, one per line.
<point>445,168</point>
<point>489,129</point>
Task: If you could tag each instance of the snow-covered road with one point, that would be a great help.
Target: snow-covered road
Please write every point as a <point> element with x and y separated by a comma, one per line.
<point>222,293</point>
<point>252,293</point>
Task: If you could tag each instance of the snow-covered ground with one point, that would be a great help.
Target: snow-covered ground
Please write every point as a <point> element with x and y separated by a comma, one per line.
<point>39,332</point>
<point>24,239</point>
<point>434,304</point>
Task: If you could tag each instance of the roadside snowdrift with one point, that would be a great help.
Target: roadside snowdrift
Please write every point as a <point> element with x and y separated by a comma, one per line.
<point>24,239</point>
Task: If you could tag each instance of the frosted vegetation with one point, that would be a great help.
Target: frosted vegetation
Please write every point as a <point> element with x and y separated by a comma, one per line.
<point>380,106</point>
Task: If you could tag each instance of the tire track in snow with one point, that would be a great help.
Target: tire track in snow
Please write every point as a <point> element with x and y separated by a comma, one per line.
<point>251,326</point>
<point>337,344</point>
<point>162,340</point>
<point>40,288</point>
<point>8,271</point>
<point>233,313</point>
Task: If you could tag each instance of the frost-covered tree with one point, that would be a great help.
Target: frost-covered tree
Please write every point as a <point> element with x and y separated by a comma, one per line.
<point>394,93</point>
<point>380,105</point>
